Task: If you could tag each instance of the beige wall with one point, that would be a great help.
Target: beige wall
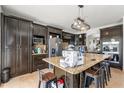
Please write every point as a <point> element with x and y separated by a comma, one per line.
<point>90,37</point>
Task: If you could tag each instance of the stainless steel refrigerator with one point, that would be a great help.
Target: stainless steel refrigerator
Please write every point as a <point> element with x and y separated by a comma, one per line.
<point>55,47</point>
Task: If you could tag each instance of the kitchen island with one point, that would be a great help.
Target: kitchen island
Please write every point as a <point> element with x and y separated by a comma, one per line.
<point>73,74</point>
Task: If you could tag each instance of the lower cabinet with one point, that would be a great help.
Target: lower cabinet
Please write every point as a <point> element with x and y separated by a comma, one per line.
<point>38,63</point>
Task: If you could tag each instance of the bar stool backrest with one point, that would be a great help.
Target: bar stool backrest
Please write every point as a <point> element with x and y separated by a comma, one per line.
<point>99,71</point>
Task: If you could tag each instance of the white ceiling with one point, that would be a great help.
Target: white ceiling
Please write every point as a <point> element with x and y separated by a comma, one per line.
<point>62,15</point>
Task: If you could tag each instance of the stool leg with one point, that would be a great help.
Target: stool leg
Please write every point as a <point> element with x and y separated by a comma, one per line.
<point>103,82</point>
<point>100,82</point>
<point>56,83</point>
<point>81,80</point>
<point>105,77</point>
<point>96,82</point>
<point>39,84</point>
<point>102,77</point>
<point>85,79</point>
<point>109,71</point>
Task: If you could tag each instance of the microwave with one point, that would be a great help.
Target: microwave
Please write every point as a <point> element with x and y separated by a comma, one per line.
<point>38,39</point>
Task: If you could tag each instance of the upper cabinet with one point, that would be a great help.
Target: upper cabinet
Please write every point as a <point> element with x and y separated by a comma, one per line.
<point>80,39</point>
<point>68,37</point>
<point>40,31</point>
<point>54,31</point>
<point>111,32</point>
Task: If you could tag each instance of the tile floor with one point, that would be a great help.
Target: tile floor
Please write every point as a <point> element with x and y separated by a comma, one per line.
<point>31,80</point>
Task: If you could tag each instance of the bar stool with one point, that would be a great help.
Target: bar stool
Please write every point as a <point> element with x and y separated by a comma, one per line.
<point>106,65</point>
<point>97,66</point>
<point>107,69</point>
<point>45,78</point>
<point>97,75</point>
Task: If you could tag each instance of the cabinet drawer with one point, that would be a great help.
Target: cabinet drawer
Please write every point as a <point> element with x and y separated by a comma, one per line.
<point>38,58</point>
<point>38,63</point>
<point>43,65</point>
<point>40,66</point>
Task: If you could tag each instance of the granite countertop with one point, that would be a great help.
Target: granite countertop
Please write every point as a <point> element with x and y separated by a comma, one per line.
<point>88,62</point>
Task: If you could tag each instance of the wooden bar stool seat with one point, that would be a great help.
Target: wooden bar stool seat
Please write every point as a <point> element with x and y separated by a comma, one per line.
<point>46,77</point>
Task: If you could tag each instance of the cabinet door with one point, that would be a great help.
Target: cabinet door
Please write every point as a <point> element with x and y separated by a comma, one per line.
<point>38,63</point>
<point>0,45</point>
<point>116,33</point>
<point>10,44</point>
<point>40,31</point>
<point>54,31</point>
<point>24,44</point>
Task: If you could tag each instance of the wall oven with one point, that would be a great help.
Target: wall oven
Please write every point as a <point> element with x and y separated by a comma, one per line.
<point>111,48</point>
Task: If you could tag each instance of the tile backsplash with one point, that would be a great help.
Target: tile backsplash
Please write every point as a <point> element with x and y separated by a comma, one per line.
<point>41,46</point>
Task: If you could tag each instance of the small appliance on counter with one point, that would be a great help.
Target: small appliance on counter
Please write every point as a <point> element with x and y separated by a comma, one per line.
<point>71,58</point>
<point>39,49</point>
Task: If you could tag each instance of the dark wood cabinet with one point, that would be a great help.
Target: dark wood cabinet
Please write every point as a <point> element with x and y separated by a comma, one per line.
<point>10,48</point>
<point>74,39</point>
<point>24,46</point>
<point>54,31</point>
<point>16,45</point>
<point>40,30</point>
<point>80,39</point>
<point>0,44</point>
<point>111,32</point>
<point>68,37</point>
<point>38,63</point>
<point>108,35</point>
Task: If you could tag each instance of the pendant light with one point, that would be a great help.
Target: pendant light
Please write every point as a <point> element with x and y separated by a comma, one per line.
<point>79,23</point>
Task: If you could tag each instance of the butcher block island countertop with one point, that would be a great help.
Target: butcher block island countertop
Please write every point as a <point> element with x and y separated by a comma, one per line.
<point>88,62</point>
